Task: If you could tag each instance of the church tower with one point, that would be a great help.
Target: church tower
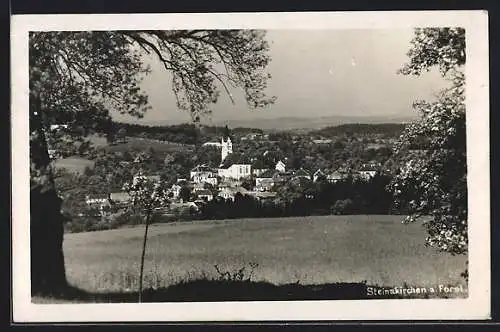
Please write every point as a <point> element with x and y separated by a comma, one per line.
<point>227,148</point>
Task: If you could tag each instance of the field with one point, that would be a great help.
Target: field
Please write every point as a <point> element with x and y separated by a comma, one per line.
<point>143,144</point>
<point>73,164</point>
<point>77,164</point>
<point>308,250</point>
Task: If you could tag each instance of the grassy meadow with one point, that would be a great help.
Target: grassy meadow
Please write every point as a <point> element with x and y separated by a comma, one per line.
<point>142,144</point>
<point>73,164</point>
<point>306,250</point>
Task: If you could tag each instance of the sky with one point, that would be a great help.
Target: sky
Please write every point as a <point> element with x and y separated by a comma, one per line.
<point>316,73</point>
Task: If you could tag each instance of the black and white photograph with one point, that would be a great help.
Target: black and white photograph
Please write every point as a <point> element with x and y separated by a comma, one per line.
<point>258,166</point>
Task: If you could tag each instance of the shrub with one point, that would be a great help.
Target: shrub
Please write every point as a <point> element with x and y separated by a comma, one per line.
<point>343,206</point>
<point>126,217</point>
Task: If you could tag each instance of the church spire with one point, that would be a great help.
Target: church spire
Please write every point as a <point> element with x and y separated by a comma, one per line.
<point>226,133</point>
<point>226,144</point>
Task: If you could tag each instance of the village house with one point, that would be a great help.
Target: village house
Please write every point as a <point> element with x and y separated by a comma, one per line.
<point>318,174</point>
<point>265,181</point>
<point>184,206</point>
<point>175,190</point>
<point>120,199</point>
<point>322,141</point>
<point>216,144</point>
<point>336,176</point>
<point>263,195</point>
<point>236,171</point>
<point>301,173</point>
<point>204,194</point>
<point>281,177</point>
<point>203,174</point>
<point>251,136</point>
<point>280,166</point>
<point>55,127</point>
<point>98,202</point>
<point>367,173</point>
<point>300,181</point>
<point>229,193</point>
<point>264,184</point>
<point>259,171</point>
<point>150,178</point>
<point>53,154</point>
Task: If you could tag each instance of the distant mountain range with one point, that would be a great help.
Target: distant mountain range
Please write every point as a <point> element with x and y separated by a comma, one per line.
<point>301,123</point>
<point>297,123</point>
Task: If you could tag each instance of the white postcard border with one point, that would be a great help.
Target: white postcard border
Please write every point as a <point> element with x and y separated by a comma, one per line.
<point>476,306</point>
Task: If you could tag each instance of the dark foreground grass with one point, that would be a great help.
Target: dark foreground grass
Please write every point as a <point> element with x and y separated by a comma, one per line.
<point>285,259</point>
<point>206,290</point>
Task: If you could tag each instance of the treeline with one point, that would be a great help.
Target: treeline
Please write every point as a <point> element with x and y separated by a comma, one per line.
<point>389,129</point>
<point>182,133</point>
<point>186,133</point>
<point>350,196</point>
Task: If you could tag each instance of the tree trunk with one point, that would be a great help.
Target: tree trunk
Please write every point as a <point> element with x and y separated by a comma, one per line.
<point>46,221</point>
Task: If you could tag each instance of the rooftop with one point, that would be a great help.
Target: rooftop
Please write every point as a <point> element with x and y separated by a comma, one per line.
<point>120,196</point>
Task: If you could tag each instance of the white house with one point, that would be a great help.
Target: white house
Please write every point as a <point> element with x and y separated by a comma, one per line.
<point>99,202</point>
<point>175,190</point>
<point>205,195</point>
<point>96,201</point>
<point>280,166</point>
<point>216,144</point>
<point>259,171</point>
<point>150,178</point>
<point>322,141</point>
<point>236,171</point>
<point>302,173</point>
<point>229,193</point>
<point>120,198</point>
<point>261,196</point>
<point>264,184</point>
<point>367,174</point>
<point>203,174</point>
<point>58,126</point>
<point>335,177</point>
<point>53,153</point>
<point>251,136</point>
<point>319,173</point>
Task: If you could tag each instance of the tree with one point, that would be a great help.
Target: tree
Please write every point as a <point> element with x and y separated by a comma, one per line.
<point>248,183</point>
<point>121,135</point>
<point>343,206</point>
<point>147,195</point>
<point>76,78</point>
<point>185,194</point>
<point>433,181</point>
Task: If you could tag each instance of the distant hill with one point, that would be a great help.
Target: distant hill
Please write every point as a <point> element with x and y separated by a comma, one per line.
<point>391,129</point>
<point>297,123</point>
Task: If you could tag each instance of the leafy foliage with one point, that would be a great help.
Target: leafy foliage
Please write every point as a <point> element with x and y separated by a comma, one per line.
<point>147,194</point>
<point>433,181</point>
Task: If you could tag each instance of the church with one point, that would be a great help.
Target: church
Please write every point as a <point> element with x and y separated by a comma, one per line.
<point>232,171</point>
<point>227,169</point>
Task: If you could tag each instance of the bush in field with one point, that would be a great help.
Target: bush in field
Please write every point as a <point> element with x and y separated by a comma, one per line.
<point>126,217</point>
<point>343,206</point>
